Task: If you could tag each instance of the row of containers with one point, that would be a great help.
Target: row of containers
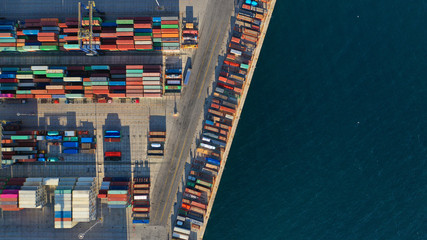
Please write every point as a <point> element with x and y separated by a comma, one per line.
<point>141,200</point>
<point>123,34</point>
<point>156,143</point>
<point>218,124</point>
<point>33,146</point>
<point>96,81</point>
<point>74,198</point>
<point>173,80</point>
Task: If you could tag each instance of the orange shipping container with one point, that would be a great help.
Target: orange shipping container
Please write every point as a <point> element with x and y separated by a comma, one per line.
<point>69,87</point>
<point>170,30</point>
<point>170,35</point>
<point>38,91</point>
<point>42,96</point>
<point>142,38</point>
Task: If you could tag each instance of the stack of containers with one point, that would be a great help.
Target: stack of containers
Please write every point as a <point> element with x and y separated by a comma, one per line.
<point>18,146</point>
<point>118,81</point>
<point>84,200</point>
<point>141,200</point>
<point>152,81</point>
<point>63,206</point>
<point>32,194</point>
<point>48,37</point>
<point>134,81</point>
<point>103,190</point>
<point>118,192</point>
<point>9,198</point>
<point>125,33</point>
<point>155,138</point>
<point>108,36</point>
<point>7,36</point>
<point>143,28</point>
<point>8,82</point>
<point>173,80</point>
<point>170,33</point>
<point>157,33</point>
<point>99,78</point>
<point>68,40</point>
<point>46,82</point>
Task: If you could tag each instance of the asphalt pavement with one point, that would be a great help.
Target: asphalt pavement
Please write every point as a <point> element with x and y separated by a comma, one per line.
<point>191,106</point>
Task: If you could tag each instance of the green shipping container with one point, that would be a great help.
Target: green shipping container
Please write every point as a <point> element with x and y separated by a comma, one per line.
<point>182,212</point>
<point>87,83</point>
<point>170,44</point>
<point>244,66</point>
<point>133,74</point>
<point>49,48</point>
<point>71,139</point>
<point>71,46</point>
<point>191,184</point>
<point>88,68</point>
<point>151,79</point>
<point>20,137</point>
<point>157,44</point>
<point>124,21</point>
<point>173,87</point>
<point>23,91</point>
<point>62,191</point>
<point>143,34</point>
<point>206,184</point>
<point>54,75</point>
<point>157,40</point>
<point>41,72</point>
<point>74,95</point>
<point>134,71</point>
<point>117,191</point>
<point>99,83</point>
<point>124,29</point>
<point>169,26</point>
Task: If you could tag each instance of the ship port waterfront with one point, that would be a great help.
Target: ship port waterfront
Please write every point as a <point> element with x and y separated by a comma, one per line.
<point>134,121</point>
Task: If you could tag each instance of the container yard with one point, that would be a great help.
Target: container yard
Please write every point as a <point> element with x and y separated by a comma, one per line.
<point>121,34</point>
<point>104,169</point>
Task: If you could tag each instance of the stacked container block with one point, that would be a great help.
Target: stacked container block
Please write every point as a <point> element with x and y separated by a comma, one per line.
<point>141,200</point>
<point>63,203</point>
<point>117,192</point>
<point>123,34</point>
<point>156,141</point>
<point>84,200</point>
<point>173,80</point>
<point>32,194</point>
<point>9,197</point>
<point>96,81</point>
<point>152,81</point>
<point>170,33</point>
<point>22,146</point>
<point>8,39</point>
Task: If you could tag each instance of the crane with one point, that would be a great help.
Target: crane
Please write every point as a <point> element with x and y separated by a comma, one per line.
<point>87,34</point>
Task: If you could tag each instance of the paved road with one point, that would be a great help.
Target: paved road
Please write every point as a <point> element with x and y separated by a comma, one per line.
<point>191,106</point>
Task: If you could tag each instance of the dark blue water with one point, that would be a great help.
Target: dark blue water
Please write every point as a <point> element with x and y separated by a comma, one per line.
<point>332,143</point>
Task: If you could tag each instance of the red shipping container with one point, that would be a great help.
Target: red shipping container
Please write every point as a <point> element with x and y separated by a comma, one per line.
<point>170,22</point>
<point>134,66</point>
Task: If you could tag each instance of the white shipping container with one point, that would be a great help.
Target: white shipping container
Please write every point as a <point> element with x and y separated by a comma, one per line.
<point>39,68</point>
<point>180,236</point>
<point>24,76</point>
<point>140,197</point>
<point>182,230</point>
<point>144,42</point>
<point>236,52</point>
<point>40,138</point>
<point>70,133</point>
<point>207,146</point>
<point>72,79</point>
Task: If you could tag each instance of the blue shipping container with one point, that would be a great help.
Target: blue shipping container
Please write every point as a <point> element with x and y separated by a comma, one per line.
<point>71,151</point>
<point>86,140</point>
<point>70,144</point>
